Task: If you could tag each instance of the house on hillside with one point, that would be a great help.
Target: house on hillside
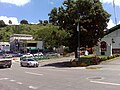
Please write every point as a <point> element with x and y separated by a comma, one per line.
<point>110,43</point>
<point>24,43</point>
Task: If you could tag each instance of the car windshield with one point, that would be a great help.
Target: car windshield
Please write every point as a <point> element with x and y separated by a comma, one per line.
<point>31,60</point>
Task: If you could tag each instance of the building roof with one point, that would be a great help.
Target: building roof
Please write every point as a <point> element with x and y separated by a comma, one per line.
<point>113,29</point>
<point>20,35</point>
<point>4,43</point>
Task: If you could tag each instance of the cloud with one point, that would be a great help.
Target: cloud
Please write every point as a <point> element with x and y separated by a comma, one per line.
<point>51,2</point>
<point>110,24</point>
<point>16,2</point>
<point>117,2</point>
<point>6,20</point>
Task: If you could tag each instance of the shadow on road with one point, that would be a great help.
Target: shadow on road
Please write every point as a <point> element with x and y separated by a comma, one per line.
<point>56,64</point>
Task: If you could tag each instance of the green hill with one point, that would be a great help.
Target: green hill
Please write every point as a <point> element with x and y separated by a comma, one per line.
<point>31,29</point>
<point>52,35</point>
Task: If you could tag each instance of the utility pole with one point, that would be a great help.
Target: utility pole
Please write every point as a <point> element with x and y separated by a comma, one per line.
<point>78,49</point>
<point>114,12</point>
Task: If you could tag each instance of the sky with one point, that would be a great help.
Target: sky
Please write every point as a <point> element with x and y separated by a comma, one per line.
<point>35,10</point>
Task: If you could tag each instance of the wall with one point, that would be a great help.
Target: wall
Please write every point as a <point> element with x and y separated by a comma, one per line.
<point>40,45</point>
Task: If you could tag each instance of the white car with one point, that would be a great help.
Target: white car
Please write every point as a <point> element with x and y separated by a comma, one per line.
<point>27,55</point>
<point>38,54</point>
<point>29,62</point>
<point>52,54</point>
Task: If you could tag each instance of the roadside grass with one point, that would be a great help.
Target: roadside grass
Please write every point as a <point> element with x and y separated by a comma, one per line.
<point>90,60</point>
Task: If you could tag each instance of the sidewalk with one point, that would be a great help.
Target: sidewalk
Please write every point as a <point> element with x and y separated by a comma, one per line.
<point>115,62</point>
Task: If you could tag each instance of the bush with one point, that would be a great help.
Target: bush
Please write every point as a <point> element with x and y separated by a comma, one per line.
<point>93,60</point>
<point>89,60</point>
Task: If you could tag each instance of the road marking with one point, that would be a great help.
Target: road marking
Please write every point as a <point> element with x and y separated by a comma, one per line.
<point>32,87</point>
<point>95,78</point>
<point>3,78</point>
<point>34,73</point>
<point>106,83</point>
<point>19,83</point>
<point>12,80</point>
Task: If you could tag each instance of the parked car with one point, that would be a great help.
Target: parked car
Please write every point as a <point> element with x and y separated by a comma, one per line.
<point>29,62</point>
<point>5,62</point>
<point>7,56</point>
<point>38,54</point>
<point>28,55</point>
<point>52,54</point>
<point>17,55</point>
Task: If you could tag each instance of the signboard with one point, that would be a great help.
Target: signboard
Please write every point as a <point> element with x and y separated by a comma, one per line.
<point>103,46</point>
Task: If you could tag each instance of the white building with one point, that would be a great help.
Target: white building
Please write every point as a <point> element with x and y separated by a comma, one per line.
<point>24,43</point>
<point>4,46</point>
<point>15,40</point>
<point>33,46</point>
<point>112,40</point>
<point>20,37</point>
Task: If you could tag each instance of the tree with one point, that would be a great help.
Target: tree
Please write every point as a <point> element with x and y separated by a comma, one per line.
<point>2,23</point>
<point>40,21</point>
<point>10,22</point>
<point>53,16</point>
<point>91,17</point>
<point>45,22</point>
<point>24,22</point>
<point>53,37</point>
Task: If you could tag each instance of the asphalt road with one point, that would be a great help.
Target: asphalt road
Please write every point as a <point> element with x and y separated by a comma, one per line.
<point>50,76</point>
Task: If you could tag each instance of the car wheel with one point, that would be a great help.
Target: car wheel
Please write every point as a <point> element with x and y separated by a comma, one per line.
<point>28,65</point>
<point>35,65</point>
<point>21,65</point>
<point>9,66</point>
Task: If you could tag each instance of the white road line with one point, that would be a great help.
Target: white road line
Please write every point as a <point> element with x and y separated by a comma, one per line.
<point>19,83</point>
<point>12,80</point>
<point>34,73</point>
<point>32,87</point>
<point>3,78</point>
<point>106,83</point>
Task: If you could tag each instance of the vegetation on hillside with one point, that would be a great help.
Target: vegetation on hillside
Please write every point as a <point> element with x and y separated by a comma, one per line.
<point>50,34</point>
